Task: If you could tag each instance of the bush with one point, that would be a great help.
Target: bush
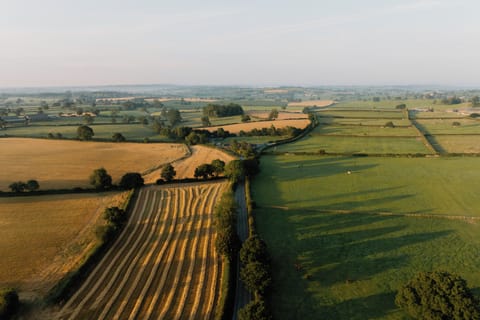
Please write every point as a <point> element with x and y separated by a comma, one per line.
<point>9,302</point>
<point>254,249</point>
<point>118,137</point>
<point>168,173</point>
<point>255,310</point>
<point>85,133</point>
<point>100,179</point>
<point>131,180</point>
<point>256,277</point>
<point>438,295</point>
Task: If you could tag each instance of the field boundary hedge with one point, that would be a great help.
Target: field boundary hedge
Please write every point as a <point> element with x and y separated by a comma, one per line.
<point>72,280</point>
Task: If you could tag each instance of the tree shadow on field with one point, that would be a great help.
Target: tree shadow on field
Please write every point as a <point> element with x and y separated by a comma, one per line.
<point>292,170</point>
<point>361,308</point>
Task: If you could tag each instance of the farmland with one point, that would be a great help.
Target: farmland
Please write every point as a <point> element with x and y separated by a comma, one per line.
<point>236,128</point>
<point>164,264</point>
<point>44,237</point>
<point>343,243</point>
<point>66,164</point>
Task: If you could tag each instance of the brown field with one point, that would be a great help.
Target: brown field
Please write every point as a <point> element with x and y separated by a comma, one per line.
<point>164,264</point>
<point>44,237</point>
<point>275,90</point>
<point>185,168</point>
<point>59,164</point>
<point>282,115</point>
<point>311,103</point>
<point>236,128</point>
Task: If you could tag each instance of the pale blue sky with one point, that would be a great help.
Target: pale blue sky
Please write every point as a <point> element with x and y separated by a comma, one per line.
<point>244,42</point>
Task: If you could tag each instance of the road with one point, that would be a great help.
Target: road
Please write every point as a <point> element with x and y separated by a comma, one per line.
<point>242,296</point>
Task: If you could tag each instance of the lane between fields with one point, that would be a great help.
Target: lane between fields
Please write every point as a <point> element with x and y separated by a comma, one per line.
<point>242,296</point>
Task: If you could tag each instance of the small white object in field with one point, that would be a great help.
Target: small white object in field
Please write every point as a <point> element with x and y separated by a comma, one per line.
<point>349,172</point>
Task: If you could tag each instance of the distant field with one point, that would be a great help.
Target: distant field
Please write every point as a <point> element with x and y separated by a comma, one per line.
<point>282,115</point>
<point>365,122</point>
<point>459,144</point>
<point>362,114</point>
<point>67,164</point>
<point>445,126</point>
<point>236,128</point>
<point>185,168</point>
<point>364,131</point>
<point>345,144</point>
<point>311,103</point>
<point>392,103</point>
<point>44,237</point>
<point>333,258</point>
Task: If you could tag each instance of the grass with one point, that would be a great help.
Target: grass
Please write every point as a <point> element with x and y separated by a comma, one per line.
<point>60,164</point>
<point>335,257</point>
<point>44,237</point>
<point>343,144</point>
<point>255,139</point>
<point>459,144</point>
<point>364,122</point>
<point>361,114</point>
<point>445,126</point>
<point>365,131</point>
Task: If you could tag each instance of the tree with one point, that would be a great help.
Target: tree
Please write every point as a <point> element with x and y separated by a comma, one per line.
<point>273,114</point>
<point>245,118</point>
<point>206,121</point>
<point>131,180</point>
<point>18,186</point>
<point>118,137</point>
<point>174,116</point>
<point>168,172</point>
<point>85,133</point>
<point>88,119</point>
<point>227,242</point>
<point>475,101</point>
<point>254,310</point>
<point>256,277</point>
<point>9,302</point>
<point>235,170</point>
<point>32,185</point>
<point>254,249</point>
<point>204,170</point>
<point>389,124</point>
<point>100,179</point>
<point>401,106</point>
<point>115,216</point>
<point>218,167</point>
<point>438,295</point>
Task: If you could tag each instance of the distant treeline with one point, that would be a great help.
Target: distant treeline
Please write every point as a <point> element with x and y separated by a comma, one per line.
<point>220,110</point>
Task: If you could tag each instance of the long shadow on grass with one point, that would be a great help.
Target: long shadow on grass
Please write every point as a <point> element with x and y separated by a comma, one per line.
<point>293,170</point>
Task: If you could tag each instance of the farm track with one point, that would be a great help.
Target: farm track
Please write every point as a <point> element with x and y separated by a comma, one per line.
<point>164,264</point>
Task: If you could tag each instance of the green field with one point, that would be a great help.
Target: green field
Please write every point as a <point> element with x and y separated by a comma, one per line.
<point>365,131</point>
<point>445,126</point>
<point>350,145</point>
<point>381,114</point>
<point>364,122</point>
<point>343,243</point>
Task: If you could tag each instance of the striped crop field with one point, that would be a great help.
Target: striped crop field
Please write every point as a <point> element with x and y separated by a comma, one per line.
<point>163,265</point>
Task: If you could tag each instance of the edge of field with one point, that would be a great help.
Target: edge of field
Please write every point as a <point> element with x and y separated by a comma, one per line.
<point>65,287</point>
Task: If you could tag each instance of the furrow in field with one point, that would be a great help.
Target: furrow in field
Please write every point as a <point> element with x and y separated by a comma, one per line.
<point>199,296</point>
<point>133,266</point>
<point>188,280</point>
<point>143,298</point>
<point>151,311</point>
<point>178,259</point>
<point>92,283</point>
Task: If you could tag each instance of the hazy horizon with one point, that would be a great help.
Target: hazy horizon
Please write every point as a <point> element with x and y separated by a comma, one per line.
<point>217,43</point>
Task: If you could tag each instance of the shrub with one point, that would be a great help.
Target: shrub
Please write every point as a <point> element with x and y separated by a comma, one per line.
<point>254,249</point>
<point>9,302</point>
<point>254,310</point>
<point>256,277</point>
<point>131,180</point>
<point>100,179</point>
<point>438,295</point>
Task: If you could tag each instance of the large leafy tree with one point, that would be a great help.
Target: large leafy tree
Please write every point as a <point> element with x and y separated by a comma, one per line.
<point>168,172</point>
<point>256,277</point>
<point>100,179</point>
<point>255,310</point>
<point>9,302</point>
<point>131,180</point>
<point>85,133</point>
<point>438,295</point>
<point>254,249</point>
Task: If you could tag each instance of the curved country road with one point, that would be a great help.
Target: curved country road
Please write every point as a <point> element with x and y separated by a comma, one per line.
<point>242,296</point>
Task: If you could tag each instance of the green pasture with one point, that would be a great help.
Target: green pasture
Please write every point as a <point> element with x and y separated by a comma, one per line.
<point>255,139</point>
<point>446,126</point>
<point>349,145</point>
<point>364,131</point>
<point>132,132</point>
<point>458,144</point>
<point>436,114</point>
<point>342,244</point>
<point>365,122</point>
<point>361,114</point>
<point>392,103</point>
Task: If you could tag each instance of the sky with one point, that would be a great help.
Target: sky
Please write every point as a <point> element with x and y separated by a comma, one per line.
<point>241,42</point>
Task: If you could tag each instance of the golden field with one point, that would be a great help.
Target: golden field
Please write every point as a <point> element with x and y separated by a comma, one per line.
<point>44,237</point>
<point>57,164</point>
<point>236,128</point>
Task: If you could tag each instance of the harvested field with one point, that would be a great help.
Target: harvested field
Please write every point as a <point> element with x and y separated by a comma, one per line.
<point>282,115</point>
<point>163,266</point>
<point>236,128</point>
<point>185,167</point>
<point>311,103</point>
<point>66,164</point>
<point>44,237</point>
